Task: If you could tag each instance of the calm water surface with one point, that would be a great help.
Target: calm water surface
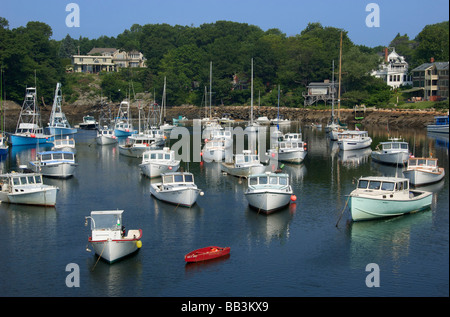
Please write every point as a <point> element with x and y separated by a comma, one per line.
<point>295,252</point>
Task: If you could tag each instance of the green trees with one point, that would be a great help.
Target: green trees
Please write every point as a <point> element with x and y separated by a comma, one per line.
<point>27,55</point>
<point>183,54</point>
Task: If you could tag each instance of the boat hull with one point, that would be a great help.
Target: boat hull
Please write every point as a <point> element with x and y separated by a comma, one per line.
<point>123,133</point>
<point>289,156</point>
<point>268,201</point>
<point>437,128</point>
<point>205,254</point>
<point>133,151</point>
<point>59,170</point>
<point>392,158</point>
<point>368,208</point>
<point>105,140</point>
<point>418,177</point>
<point>354,144</point>
<point>41,196</point>
<point>217,155</point>
<point>30,139</point>
<point>155,170</point>
<point>114,250</point>
<point>245,171</point>
<point>186,196</point>
<point>60,131</point>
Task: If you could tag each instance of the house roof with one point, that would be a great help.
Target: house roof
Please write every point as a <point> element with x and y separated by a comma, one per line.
<point>101,50</point>
<point>439,66</point>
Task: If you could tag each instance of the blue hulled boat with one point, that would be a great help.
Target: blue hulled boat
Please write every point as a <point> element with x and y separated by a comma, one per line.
<point>29,129</point>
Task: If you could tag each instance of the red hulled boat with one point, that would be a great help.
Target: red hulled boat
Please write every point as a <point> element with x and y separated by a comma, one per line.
<point>207,253</point>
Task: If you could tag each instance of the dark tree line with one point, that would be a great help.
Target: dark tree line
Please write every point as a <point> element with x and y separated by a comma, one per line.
<point>183,54</point>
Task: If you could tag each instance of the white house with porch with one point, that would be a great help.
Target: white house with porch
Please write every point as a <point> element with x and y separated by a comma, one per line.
<point>393,70</point>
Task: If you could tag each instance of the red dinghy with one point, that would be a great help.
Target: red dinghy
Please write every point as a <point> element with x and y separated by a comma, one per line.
<point>205,254</point>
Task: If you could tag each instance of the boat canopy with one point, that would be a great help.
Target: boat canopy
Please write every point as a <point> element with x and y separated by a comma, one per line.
<point>394,145</point>
<point>56,156</point>
<point>421,161</point>
<point>383,184</point>
<point>158,155</point>
<point>18,179</point>
<point>106,220</point>
<point>177,178</point>
<point>270,179</point>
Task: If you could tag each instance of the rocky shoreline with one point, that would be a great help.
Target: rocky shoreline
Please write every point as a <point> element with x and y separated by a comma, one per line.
<point>410,118</point>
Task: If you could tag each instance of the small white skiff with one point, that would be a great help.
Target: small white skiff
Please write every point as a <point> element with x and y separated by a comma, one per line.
<point>108,237</point>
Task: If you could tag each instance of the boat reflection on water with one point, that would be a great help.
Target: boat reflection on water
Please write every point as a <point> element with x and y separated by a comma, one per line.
<point>193,267</point>
<point>354,158</point>
<point>372,240</point>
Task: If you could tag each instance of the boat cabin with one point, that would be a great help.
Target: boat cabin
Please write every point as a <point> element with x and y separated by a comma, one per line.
<point>269,180</point>
<point>177,178</point>
<point>246,158</point>
<point>65,142</point>
<point>216,134</point>
<point>394,145</point>
<point>423,163</point>
<point>441,120</point>
<point>106,224</point>
<point>385,184</point>
<point>124,126</point>
<point>29,128</point>
<point>353,135</point>
<point>291,146</point>
<point>159,155</point>
<point>49,157</point>
<point>15,182</point>
<point>292,137</point>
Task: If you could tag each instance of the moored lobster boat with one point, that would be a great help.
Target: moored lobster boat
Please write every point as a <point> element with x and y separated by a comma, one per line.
<point>379,196</point>
<point>26,189</point>
<point>423,170</point>
<point>177,188</point>
<point>207,253</point>
<point>108,237</point>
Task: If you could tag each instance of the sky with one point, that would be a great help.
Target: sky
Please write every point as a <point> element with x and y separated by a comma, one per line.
<point>370,23</point>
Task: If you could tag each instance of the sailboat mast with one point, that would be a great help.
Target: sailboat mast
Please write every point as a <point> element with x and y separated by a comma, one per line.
<point>210,88</point>
<point>251,99</point>
<point>332,95</point>
<point>340,65</point>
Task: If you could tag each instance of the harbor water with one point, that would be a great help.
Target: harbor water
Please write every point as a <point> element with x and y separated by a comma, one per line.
<point>296,252</point>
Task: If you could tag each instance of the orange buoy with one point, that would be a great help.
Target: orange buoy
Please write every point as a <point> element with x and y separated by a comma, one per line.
<point>293,197</point>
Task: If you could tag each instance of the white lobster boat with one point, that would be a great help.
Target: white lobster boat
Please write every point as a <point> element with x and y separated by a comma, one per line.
<point>244,165</point>
<point>423,170</point>
<point>157,162</point>
<point>65,144</point>
<point>214,150</point>
<point>176,188</point>
<point>54,164</point>
<point>289,151</point>
<point>26,189</point>
<point>58,123</point>
<point>106,136</point>
<point>353,140</point>
<point>108,237</point>
<point>393,151</point>
<point>137,144</point>
<point>268,192</point>
<point>379,196</point>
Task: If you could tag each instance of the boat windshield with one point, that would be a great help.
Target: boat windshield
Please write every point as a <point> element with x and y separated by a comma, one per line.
<point>387,186</point>
<point>25,180</point>
<point>106,221</point>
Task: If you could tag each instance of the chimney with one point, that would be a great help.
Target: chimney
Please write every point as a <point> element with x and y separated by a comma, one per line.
<point>386,54</point>
<point>432,60</point>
